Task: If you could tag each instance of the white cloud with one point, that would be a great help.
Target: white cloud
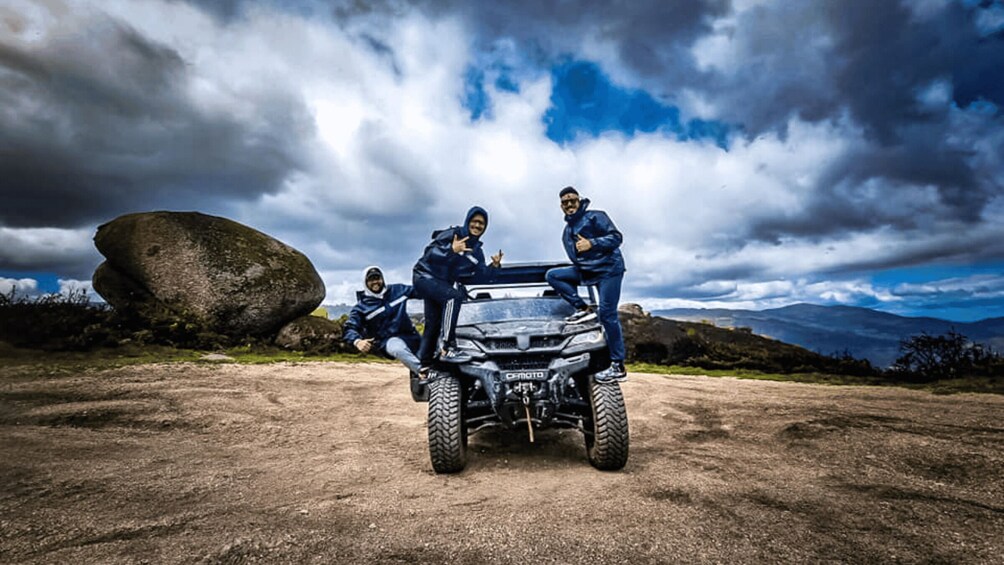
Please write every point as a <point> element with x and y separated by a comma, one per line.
<point>391,153</point>
<point>396,155</point>
<point>937,94</point>
<point>991,19</point>
<point>975,286</point>
<point>20,287</point>
<point>74,286</point>
<point>783,292</point>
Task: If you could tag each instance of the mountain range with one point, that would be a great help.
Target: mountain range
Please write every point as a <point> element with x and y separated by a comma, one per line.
<point>862,332</point>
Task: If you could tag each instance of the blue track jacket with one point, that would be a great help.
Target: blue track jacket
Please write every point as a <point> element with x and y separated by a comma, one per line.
<point>604,259</point>
<point>441,263</point>
<point>382,317</point>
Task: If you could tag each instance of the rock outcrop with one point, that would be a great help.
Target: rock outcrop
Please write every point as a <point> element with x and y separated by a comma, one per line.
<point>218,273</point>
<point>648,339</point>
<point>631,308</point>
<point>312,334</point>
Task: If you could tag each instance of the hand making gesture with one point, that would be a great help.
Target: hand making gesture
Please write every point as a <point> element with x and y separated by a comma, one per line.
<point>582,244</point>
<point>497,259</point>
<point>460,245</point>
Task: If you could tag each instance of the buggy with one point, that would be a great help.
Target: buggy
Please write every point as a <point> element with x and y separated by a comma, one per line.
<point>529,370</point>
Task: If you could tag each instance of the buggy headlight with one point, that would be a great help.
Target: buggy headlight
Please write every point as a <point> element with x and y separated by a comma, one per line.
<point>467,344</point>
<point>595,336</point>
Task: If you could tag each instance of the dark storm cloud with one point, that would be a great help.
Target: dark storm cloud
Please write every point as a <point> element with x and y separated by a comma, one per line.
<point>651,37</point>
<point>71,255</point>
<point>816,60</point>
<point>874,186</point>
<point>97,125</point>
<point>871,61</point>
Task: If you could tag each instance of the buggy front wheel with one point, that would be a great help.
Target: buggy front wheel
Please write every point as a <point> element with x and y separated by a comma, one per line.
<point>447,432</point>
<point>607,446</point>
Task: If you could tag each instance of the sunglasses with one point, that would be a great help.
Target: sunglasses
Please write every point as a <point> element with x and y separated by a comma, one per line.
<point>568,201</point>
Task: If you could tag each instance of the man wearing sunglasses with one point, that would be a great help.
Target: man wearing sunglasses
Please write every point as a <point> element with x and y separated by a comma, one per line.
<point>592,242</point>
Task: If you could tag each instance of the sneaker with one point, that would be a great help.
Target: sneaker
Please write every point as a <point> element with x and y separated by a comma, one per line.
<point>584,315</point>
<point>454,355</point>
<point>423,372</point>
<point>616,373</point>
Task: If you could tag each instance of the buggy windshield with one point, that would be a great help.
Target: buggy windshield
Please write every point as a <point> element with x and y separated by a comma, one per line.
<point>511,309</point>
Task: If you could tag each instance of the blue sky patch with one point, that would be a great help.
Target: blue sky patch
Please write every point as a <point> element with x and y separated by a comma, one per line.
<point>931,273</point>
<point>585,101</point>
<point>47,282</point>
<point>475,97</point>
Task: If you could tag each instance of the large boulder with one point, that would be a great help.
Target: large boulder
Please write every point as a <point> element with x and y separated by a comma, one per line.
<point>208,270</point>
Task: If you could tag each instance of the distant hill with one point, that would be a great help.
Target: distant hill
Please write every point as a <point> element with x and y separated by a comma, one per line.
<point>862,332</point>
<point>658,340</point>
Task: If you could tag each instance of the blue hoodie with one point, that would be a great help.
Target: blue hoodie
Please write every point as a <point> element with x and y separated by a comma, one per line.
<point>604,259</point>
<point>381,316</point>
<point>441,263</point>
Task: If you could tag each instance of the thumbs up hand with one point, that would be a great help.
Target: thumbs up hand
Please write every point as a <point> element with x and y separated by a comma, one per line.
<point>582,244</point>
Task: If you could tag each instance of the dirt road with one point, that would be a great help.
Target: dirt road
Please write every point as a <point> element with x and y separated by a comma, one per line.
<point>328,463</point>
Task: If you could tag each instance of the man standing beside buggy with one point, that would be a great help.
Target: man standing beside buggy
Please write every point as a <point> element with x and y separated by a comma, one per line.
<point>379,321</point>
<point>592,242</point>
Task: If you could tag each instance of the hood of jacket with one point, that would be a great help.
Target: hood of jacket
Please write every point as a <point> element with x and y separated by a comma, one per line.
<point>464,230</point>
<point>366,289</point>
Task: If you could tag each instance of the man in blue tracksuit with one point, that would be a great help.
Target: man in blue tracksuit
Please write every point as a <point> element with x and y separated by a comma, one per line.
<point>592,242</point>
<point>379,321</point>
<point>454,253</point>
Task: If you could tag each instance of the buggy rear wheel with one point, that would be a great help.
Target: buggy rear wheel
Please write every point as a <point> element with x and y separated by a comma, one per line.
<point>447,432</point>
<point>607,446</point>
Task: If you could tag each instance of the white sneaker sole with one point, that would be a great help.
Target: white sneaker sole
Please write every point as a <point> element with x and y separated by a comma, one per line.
<point>587,318</point>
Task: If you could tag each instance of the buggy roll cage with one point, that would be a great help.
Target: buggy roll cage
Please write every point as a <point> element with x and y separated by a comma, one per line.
<point>518,275</point>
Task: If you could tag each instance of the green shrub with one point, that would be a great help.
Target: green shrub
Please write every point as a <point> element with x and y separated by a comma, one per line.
<point>926,358</point>
<point>70,322</point>
<point>54,321</point>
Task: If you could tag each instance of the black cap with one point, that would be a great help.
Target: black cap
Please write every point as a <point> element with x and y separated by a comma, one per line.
<point>373,272</point>
<point>568,190</point>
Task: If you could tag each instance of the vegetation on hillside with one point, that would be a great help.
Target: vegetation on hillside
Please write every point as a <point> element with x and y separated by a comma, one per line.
<point>928,358</point>
<point>662,341</point>
<point>70,323</point>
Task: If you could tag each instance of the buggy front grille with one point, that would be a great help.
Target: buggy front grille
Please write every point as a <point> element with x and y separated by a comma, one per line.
<point>523,363</point>
<point>497,343</point>
<point>548,341</point>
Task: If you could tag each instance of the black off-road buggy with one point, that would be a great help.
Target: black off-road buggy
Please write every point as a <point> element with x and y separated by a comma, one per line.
<point>529,370</point>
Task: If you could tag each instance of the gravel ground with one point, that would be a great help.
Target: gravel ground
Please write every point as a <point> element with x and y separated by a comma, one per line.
<point>328,463</point>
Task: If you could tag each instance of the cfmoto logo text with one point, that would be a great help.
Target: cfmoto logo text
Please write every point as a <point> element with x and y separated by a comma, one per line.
<point>517,375</point>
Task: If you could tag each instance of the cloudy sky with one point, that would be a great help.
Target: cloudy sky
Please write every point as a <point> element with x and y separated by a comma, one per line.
<point>754,153</point>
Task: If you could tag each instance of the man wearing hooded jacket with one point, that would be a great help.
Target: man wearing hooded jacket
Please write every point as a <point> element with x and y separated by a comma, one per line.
<point>454,253</point>
<point>379,321</point>
<point>592,242</point>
